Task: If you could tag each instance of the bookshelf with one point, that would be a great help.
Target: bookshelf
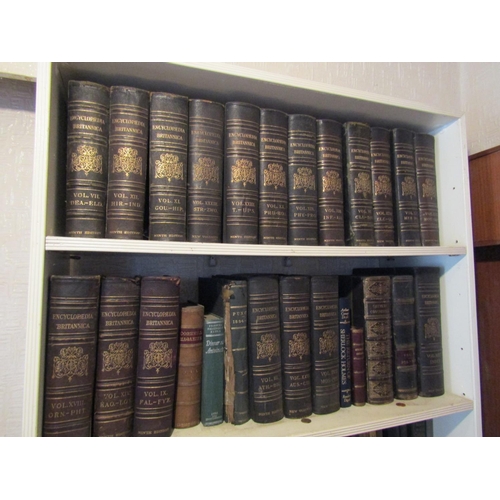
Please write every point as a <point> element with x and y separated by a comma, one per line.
<point>457,413</point>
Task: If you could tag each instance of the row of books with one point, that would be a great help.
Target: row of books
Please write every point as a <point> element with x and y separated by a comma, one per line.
<point>125,358</point>
<point>166,167</point>
<point>423,428</point>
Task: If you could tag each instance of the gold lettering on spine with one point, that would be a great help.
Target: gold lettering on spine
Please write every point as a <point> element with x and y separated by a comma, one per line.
<point>86,160</point>
<point>243,171</point>
<point>118,357</point>
<point>298,346</point>
<point>127,161</point>
<point>304,179</point>
<point>268,347</point>
<point>274,175</point>
<point>70,363</point>
<point>332,182</point>
<point>362,184</point>
<point>206,171</point>
<point>158,356</point>
<point>383,185</point>
<point>169,167</point>
<point>409,187</point>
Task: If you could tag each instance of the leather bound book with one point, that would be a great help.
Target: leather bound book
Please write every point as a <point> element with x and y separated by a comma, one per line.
<point>345,372</point>
<point>325,344</point>
<point>188,396</point>
<point>358,194</point>
<point>116,357</point>
<point>383,205</point>
<point>403,332</point>
<point>428,331</point>
<point>212,374</point>
<point>273,194</point>
<point>425,166</point>
<point>228,298</point>
<point>241,178</point>
<point>168,133</point>
<point>302,181</point>
<point>128,162</point>
<point>330,183</point>
<point>407,220</point>
<point>205,171</point>
<point>295,313</point>
<point>73,312</point>
<point>157,356</point>
<point>87,159</point>
<point>264,350</point>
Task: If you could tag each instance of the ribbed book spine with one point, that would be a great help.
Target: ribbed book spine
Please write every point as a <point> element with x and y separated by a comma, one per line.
<point>425,166</point>
<point>168,132</point>
<point>302,181</point>
<point>344,347</point>
<point>383,205</point>
<point>157,356</point>
<point>330,183</point>
<point>116,357</point>
<point>205,171</point>
<point>128,162</point>
<point>264,350</point>
<point>358,185</point>
<point>241,177</point>
<point>407,220</point>
<point>212,375</point>
<point>357,345</point>
<point>273,193</point>
<point>325,344</point>
<point>73,315</point>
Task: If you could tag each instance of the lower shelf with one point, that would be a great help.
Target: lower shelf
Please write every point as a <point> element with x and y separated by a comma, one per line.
<point>344,422</point>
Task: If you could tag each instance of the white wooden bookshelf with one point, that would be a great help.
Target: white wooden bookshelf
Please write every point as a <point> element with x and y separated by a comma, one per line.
<point>457,413</point>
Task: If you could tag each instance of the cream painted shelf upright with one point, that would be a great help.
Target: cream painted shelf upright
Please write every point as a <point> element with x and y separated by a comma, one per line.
<point>457,413</point>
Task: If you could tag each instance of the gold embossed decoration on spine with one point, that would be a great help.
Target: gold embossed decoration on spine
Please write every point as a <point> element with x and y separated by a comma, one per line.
<point>128,162</point>
<point>87,159</point>
<point>241,177</point>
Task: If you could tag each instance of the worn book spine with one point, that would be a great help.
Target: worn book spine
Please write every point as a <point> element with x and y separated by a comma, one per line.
<point>168,133</point>
<point>358,185</point>
<point>345,351</point>
<point>241,177</point>
<point>205,171</point>
<point>357,346</point>
<point>407,220</point>
<point>403,332</point>
<point>330,183</point>
<point>73,316</point>
<point>87,159</point>
<point>302,181</point>
<point>188,396</point>
<point>212,375</point>
<point>378,339</point>
<point>383,205</point>
<point>116,357</point>
<point>325,344</point>
<point>295,314</point>
<point>428,331</point>
<point>264,350</point>
<point>273,168</point>
<point>425,166</point>
<point>128,162</point>
<point>159,318</point>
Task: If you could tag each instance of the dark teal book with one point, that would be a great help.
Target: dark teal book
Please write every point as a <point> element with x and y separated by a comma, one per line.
<point>212,375</point>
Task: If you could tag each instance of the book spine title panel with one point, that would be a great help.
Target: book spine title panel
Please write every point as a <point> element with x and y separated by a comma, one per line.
<point>345,351</point>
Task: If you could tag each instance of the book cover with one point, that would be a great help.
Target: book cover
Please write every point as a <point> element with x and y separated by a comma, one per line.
<point>168,140</point>
<point>73,316</point>
<point>116,357</point>
<point>87,159</point>
<point>345,371</point>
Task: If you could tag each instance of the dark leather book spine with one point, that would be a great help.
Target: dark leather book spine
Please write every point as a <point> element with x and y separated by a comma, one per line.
<point>417,429</point>
<point>428,332</point>
<point>116,357</point>
<point>87,159</point>
<point>73,315</point>
<point>190,365</point>
<point>358,185</point>
<point>383,205</point>
<point>264,350</point>
<point>273,168</point>
<point>212,374</point>
<point>159,319</point>
<point>357,345</point>
<point>407,220</point>
<point>425,166</point>
<point>205,171</point>
<point>330,183</point>
<point>378,339</point>
<point>168,133</point>
<point>403,331</point>
<point>325,344</point>
<point>302,181</point>
<point>128,162</point>
<point>241,178</point>
<point>345,351</point>
<point>295,313</point>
